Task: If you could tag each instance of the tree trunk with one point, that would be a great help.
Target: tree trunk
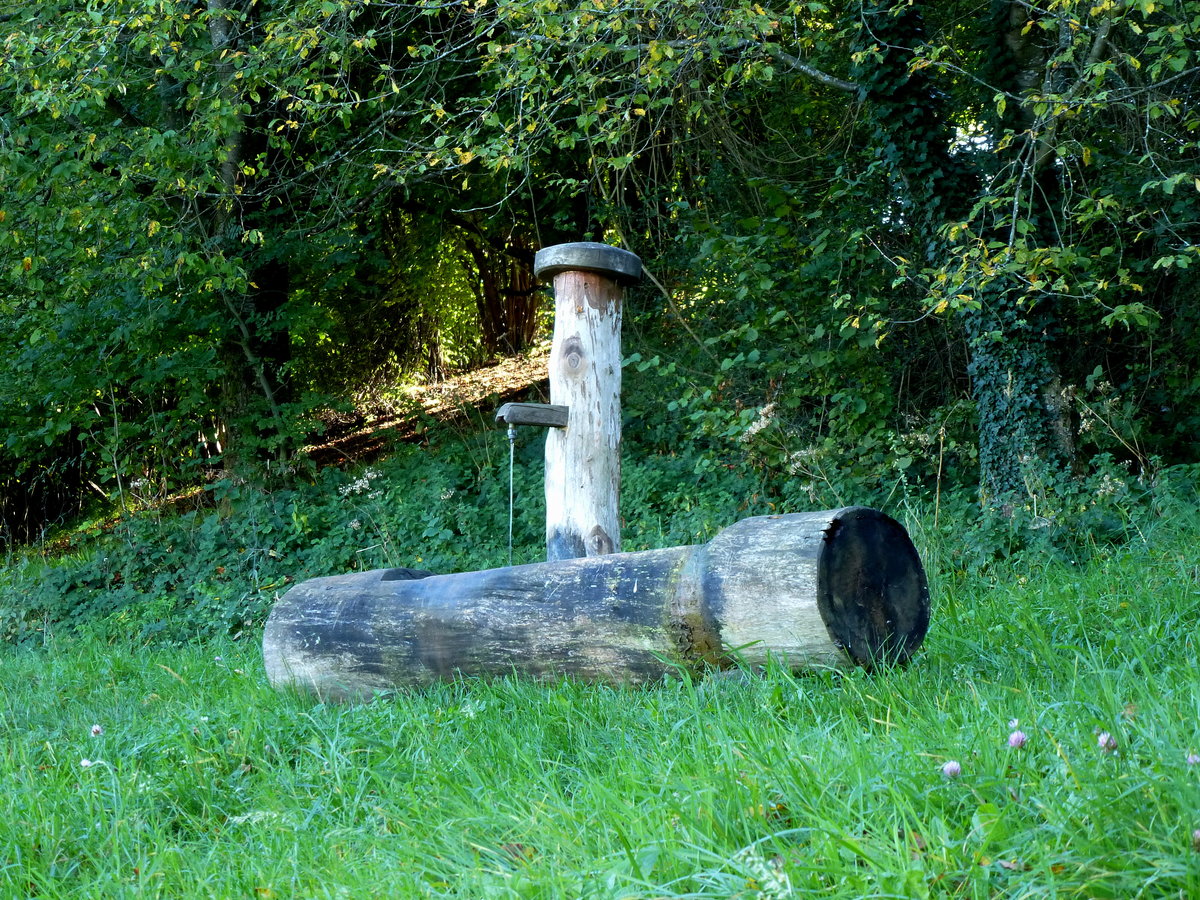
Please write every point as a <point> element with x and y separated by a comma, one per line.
<point>1025,439</point>
<point>254,353</point>
<point>1013,380</point>
<point>1020,432</point>
<point>256,347</point>
<point>583,460</point>
<point>814,589</point>
<point>505,292</point>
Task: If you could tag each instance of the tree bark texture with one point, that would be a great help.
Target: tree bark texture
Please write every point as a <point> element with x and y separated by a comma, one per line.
<point>583,460</point>
<point>505,292</point>
<point>812,589</point>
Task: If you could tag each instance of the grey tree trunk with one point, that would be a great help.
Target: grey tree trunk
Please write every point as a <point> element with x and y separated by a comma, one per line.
<point>812,589</point>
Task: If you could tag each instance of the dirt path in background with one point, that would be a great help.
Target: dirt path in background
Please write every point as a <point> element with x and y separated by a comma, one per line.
<point>471,398</point>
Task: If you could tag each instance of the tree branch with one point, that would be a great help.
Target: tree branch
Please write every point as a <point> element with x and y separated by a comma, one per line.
<point>772,50</point>
<point>794,63</point>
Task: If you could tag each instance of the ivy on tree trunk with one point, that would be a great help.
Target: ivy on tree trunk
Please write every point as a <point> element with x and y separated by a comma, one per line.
<point>1013,376</point>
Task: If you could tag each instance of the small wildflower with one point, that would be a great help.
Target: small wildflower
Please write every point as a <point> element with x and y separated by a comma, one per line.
<point>765,416</point>
<point>1193,759</point>
<point>952,768</point>
<point>1013,723</point>
<point>1196,840</point>
<point>97,730</point>
<point>1017,739</point>
<point>218,659</point>
<point>1106,742</point>
<point>86,763</point>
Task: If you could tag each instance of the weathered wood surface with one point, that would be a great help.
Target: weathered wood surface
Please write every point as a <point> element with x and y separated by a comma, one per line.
<point>614,263</point>
<point>546,415</point>
<point>811,589</point>
<point>583,460</point>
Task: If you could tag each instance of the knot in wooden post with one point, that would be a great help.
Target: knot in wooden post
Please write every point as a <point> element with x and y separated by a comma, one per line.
<point>583,460</point>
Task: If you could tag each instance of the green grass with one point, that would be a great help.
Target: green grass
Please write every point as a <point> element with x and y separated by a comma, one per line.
<point>206,783</point>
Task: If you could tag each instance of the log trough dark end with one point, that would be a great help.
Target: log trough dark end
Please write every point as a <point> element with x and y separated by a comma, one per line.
<point>811,589</point>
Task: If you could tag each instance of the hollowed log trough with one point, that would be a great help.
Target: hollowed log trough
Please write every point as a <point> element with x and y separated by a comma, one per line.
<point>838,588</point>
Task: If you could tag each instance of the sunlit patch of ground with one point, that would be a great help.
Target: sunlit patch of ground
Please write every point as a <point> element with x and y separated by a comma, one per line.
<point>470,398</point>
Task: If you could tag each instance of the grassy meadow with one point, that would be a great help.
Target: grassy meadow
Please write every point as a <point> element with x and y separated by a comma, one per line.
<point>1043,743</point>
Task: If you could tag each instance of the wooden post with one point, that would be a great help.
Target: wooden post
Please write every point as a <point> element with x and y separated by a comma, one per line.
<point>583,460</point>
<point>811,589</point>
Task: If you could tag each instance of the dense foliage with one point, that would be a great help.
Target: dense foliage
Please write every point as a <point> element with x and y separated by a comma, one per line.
<point>930,257</point>
<point>952,238</point>
<point>207,573</point>
<point>214,570</point>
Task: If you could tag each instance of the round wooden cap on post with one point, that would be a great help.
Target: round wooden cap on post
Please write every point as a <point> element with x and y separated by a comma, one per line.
<point>587,256</point>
